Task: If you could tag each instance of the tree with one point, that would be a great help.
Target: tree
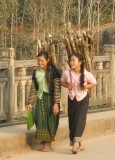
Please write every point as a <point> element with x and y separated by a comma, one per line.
<point>106,37</point>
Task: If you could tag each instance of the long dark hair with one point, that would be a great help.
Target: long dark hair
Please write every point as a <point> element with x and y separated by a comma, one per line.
<point>48,69</point>
<point>82,59</point>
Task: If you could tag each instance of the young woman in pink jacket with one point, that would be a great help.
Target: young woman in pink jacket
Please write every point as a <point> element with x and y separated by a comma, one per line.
<point>78,81</point>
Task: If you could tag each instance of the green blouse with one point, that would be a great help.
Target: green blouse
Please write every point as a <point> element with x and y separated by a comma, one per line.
<point>39,76</point>
<point>43,87</point>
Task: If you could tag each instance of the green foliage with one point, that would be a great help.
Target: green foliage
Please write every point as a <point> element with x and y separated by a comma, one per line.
<point>106,37</point>
<point>25,47</point>
<point>23,22</point>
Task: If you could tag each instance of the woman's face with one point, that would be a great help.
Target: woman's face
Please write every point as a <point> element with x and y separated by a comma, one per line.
<point>75,63</point>
<point>42,62</point>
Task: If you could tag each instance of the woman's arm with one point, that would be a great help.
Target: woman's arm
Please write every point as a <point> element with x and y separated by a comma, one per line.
<point>67,85</point>
<point>57,90</point>
<point>32,95</point>
<point>88,86</point>
<point>91,81</point>
<point>57,95</point>
<point>64,84</point>
<point>64,79</point>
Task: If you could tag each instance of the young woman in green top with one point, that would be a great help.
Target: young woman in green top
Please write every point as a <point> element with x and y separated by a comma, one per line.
<point>45,97</point>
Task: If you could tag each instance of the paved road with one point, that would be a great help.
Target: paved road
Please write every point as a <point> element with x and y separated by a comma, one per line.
<point>99,148</point>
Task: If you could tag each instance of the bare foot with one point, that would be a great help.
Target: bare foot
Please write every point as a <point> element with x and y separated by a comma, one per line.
<point>75,148</point>
<point>81,145</point>
<point>47,147</point>
<point>41,145</point>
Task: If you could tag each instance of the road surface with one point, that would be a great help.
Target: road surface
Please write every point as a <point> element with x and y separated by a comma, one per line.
<point>99,148</point>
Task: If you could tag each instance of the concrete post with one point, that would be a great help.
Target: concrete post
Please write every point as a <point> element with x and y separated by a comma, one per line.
<point>7,58</point>
<point>113,74</point>
<point>110,50</point>
<point>11,70</point>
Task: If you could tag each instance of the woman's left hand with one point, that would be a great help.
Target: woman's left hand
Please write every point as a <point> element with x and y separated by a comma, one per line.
<point>55,109</point>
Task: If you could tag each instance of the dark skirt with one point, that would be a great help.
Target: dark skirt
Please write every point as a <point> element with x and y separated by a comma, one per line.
<point>46,122</point>
<point>77,112</point>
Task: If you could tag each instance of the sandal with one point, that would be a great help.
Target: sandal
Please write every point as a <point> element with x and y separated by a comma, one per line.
<point>75,148</point>
<point>81,146</point>
<point>41,145</point>
<point>47,148</point>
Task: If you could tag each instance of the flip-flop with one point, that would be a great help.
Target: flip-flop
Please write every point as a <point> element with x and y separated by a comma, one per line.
<point>47,148</point>
<point>41,145</point>
<point>75,150</point>
<point>82,148</point>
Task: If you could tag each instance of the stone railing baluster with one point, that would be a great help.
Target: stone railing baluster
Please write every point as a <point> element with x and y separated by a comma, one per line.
<point>15,106</point>
<point>1,96</point>
<point>22,84</point>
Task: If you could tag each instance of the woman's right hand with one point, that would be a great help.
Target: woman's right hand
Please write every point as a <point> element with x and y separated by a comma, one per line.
<point>29,107</point>
<point>68,85</point>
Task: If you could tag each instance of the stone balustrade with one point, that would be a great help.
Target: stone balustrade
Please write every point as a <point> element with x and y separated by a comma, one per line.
<point>101,95</point>
<point>15,81</point>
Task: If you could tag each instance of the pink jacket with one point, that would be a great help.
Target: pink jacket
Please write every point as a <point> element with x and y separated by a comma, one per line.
<point>76,91</point>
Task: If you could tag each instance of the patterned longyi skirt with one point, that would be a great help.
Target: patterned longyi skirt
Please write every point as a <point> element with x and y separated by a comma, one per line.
<point>46,122</point>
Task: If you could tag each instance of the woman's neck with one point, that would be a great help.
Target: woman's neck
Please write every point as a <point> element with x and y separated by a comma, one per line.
<point>77,70</point>
<point>43,68</point>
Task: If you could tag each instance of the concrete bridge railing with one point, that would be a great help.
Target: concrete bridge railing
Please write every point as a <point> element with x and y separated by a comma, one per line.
<point>15,81</point>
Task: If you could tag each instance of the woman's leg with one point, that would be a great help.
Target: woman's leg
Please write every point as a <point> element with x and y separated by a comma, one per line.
<point>81,118</point>
<point>71,117</point>
<point>77,112</point>
<point>81,121</point>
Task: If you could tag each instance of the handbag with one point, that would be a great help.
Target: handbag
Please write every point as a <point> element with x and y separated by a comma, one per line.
<point>30,119</point>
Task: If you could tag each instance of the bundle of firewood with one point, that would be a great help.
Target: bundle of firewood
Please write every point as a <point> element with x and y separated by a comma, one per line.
<point>74,43</point>
<point>80,43</point>
<point>48,46</point>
